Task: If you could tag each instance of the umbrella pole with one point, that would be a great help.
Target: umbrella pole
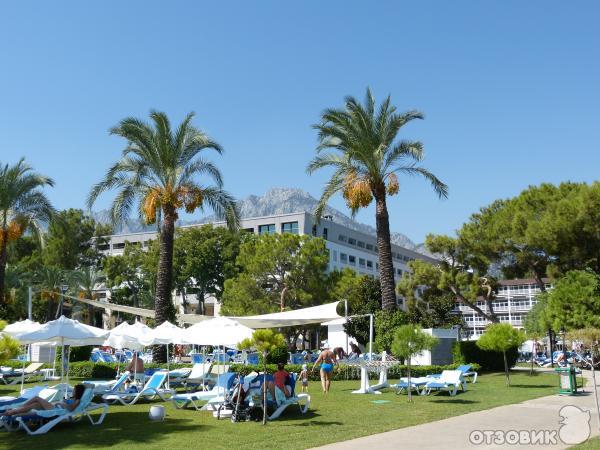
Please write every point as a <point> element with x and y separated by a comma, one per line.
<point>23,372</point>
<point>68,357</point>
<point>168,378</point>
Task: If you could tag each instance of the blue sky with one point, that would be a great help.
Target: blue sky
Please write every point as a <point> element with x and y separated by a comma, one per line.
<point>510,89</point>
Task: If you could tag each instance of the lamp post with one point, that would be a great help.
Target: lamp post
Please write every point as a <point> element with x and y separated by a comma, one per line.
<point>563,333</point>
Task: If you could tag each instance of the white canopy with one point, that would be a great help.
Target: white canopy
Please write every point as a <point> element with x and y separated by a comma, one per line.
<point>217,331</point>
<point>119,338</point>
<point>64,331</point>
<point>24,326</point>
<point>314,314</point>
<point>167,333</point>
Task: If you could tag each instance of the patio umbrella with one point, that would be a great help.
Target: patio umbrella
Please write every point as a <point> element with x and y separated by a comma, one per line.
<point>167,333</point>
<point>24,326</point>
<point>122,337</point>
<point>218,331</point>
<point>64,331</point>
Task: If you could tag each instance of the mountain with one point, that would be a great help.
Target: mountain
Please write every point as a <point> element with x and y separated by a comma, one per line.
<point>275,201</point>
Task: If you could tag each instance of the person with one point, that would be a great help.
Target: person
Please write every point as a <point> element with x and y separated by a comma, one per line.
<point>339,353</point>
<point>327,360</point>
<point>355,350</point>
<point>40,403</point>
<point>304,378</point>
<point>307,355</point>
<point>279,388</point>
<point>136,366</point>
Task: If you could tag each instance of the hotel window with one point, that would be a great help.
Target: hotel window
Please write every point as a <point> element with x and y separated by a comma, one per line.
<point>289,227</point>
<point>118,245</point>
<point>103,247</point>
<point>249,230</point>
<point>399,272</point>
<point>376,266</point>
<point>342,238</point>
<point>369,265</point>
<point>361,262</point>
<point>325,233</point>
<point>314,230</point>
<point>352,260</point>
<point>344,258</point>
<point>266,229</point>
<point>370,247</point>
<point>360,244</point>
<point>351,241</point>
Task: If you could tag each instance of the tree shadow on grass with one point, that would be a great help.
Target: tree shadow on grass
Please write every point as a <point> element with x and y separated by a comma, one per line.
<point>533,386</point>
<point>316,423</point>
<point>455,401</point>
<point>119,428</point>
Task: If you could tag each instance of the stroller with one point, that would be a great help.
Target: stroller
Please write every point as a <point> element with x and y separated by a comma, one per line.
<point>236,405</point>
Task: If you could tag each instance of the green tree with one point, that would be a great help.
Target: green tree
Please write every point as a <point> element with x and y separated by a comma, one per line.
<point>70,241</point>
<point>160,168</point>
<point>86,280</point>
<point>23,206</point>
<point>48,281</point>
<point>278,272</point>
<point>386,322</point>
<point>500,337</point>
<point>460,273</point>
<point>366,160</point>
<point>9,347</point>
<point>364,297</point>
<point>409,341</point>
<point>574,302</point>
<point>203,259</point>
<point>265,341</point>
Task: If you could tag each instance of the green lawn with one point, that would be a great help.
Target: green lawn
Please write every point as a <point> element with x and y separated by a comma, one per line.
<point>341,416</point>
<point>590,444</point>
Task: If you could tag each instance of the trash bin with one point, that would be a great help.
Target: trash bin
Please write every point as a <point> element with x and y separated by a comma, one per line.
<point>567,380</point>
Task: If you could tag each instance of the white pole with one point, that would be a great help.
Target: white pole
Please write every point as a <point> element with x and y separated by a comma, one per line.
<point>23,371</point>
<point>29,303</point>
<point>168,378</point>
<point>370,337</point>
<point>346,321</point>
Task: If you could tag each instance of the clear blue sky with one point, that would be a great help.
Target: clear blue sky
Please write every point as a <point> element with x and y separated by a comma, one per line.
<point>510,89</point>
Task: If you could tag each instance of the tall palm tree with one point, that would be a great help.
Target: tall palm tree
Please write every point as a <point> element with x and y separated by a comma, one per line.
<point>85,281</point>
<point>366,158</point>
<point>160,169</point>
<point>23,206</point>
<point>49,280</point>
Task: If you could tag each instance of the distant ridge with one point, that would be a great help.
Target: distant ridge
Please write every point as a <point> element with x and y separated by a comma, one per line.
<point>275,201</point>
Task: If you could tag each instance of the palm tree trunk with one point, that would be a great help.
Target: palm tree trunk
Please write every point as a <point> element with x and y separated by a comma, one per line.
<point>384,246</point>
<point>200,297</point>
<point>3,245</point>
<point>163,305</point>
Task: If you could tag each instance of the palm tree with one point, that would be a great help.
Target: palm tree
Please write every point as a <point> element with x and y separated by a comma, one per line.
<point>159,169</point>
<point>49,280</point>
<point>365,161</point>
<point>85,281</point>
<point>23,206</point>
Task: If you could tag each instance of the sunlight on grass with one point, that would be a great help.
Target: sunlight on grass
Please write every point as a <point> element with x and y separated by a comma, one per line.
<point>340,417</point>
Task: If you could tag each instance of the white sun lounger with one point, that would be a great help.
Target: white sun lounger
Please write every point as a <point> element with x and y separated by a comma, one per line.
<point>151,390</point>
<point>449,380</point>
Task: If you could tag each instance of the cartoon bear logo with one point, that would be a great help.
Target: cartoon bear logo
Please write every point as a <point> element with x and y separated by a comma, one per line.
<point>575,425</point>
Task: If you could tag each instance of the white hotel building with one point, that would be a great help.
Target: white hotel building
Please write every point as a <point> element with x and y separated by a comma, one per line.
<point>513,301</point>
<point>347,247</point>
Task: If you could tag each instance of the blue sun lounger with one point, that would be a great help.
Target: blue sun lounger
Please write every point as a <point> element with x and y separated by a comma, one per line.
<point>223,386</point>
<point>150,391</point>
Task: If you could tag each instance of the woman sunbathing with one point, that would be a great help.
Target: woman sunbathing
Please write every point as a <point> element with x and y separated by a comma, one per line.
<point>40,403</point>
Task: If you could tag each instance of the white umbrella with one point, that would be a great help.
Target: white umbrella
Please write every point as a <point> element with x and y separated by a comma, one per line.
<point>24,326</point>
<point>122,337</point>
<point>65,331</point>
<point>164,334</point>
<point>218,331</point>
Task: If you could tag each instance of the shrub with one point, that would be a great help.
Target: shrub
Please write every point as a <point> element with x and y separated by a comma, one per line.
<point>280,354</point>
<point>467,352</point>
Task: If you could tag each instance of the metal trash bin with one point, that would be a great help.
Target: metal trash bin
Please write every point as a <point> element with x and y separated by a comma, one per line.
<point>567,380</point>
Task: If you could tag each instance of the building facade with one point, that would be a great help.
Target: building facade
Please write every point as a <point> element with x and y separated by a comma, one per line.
<point>513,301</point>
<point>347,247</point>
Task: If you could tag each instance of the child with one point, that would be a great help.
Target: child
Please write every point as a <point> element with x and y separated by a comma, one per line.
<point>304,378</point>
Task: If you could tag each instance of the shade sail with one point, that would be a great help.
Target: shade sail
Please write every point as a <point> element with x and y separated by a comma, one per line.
<point>305,316</point>
<point>65,331</point>
<point>217,331</point>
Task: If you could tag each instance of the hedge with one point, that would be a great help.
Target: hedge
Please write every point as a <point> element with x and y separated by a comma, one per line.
<point>345,372</point>
<point>489,361</point>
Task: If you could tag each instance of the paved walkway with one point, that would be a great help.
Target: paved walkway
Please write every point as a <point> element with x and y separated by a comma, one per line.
<point>532,415</point>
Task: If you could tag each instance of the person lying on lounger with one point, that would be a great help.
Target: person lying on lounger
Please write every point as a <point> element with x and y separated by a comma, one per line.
<point>40,403</point>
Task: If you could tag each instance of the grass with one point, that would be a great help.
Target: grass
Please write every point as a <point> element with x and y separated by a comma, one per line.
<point>590,444</point>
<point>341,416</point>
